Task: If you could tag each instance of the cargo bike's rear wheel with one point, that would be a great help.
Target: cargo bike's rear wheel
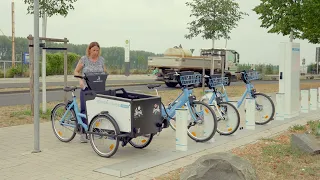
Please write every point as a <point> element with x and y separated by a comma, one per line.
<point>104,128</point>
<point>144,141</point>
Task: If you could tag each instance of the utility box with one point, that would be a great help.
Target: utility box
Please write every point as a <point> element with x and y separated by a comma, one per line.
<point>289,78</point>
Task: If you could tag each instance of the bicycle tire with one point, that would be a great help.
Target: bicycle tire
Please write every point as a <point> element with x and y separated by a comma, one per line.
<point>117,132</point>
<point>272,105</point>
<point>53,126</point>
<point>238,119</point>
<point>214,119</point>
<point>144,145</point>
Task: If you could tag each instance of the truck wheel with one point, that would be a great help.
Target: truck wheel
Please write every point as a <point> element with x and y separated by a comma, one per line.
<point>171,84</point>
<point>229,77</point>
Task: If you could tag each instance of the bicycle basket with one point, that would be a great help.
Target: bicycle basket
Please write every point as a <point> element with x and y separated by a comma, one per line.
<point>252,75</point>
<point>193,79</point>
<point>216,82</point>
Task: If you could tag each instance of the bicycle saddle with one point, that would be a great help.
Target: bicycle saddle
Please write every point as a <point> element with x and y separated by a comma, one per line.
<point>151,86</point>
<point>72,88</point>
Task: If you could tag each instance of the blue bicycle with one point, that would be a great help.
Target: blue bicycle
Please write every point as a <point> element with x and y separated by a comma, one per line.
<point>227,114</point>
<point>200,113</point>
<point>263,116</point>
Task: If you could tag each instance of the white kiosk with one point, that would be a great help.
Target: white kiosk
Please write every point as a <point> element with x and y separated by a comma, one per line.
<point>289,78</point>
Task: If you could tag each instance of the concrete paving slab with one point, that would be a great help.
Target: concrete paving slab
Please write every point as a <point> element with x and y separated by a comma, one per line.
<point>74,160</point>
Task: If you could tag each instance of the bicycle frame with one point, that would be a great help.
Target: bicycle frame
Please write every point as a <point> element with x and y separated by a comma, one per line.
<point>79,115</point>
<point>180,101</point>
<point>248,90</point>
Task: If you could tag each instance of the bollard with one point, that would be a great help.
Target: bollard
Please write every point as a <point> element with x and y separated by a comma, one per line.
<point>304,101</point>
<point>250,113</point>
<point>313,99</point>
<point>280,106</point>
<point>181,129</point>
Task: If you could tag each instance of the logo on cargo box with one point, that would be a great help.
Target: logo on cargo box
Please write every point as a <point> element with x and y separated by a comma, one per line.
<point>156,109</point>
<point>138,112</point>
<point>98,79</point>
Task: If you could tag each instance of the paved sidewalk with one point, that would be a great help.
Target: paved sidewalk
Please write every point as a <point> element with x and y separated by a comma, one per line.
<point>78,161</point>
<point>60,78</point>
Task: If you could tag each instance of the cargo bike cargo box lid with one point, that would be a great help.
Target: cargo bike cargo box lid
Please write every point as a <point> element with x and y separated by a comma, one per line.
<point>96,81</point>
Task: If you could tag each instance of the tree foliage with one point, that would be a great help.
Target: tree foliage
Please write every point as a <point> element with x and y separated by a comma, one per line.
<point>51,7</point>
<point>311,19</point>
<point>214,18</point>
<point>302,17</point>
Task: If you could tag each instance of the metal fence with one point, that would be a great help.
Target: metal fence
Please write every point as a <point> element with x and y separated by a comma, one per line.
<point>5,66</point>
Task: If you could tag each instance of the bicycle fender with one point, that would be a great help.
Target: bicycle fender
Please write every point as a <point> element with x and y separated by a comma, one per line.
<point>103,113</point>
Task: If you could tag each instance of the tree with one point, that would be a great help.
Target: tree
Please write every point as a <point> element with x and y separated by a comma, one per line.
<point>311,20</point>
<point>300,18</point>
<point>51,7</point>
<point>214,18</point>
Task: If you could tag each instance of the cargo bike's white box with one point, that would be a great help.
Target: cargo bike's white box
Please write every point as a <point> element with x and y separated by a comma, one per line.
<point>136,114</point>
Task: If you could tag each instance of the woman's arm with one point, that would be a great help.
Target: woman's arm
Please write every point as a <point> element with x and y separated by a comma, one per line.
<point>78,69</point>
<point>105,68</point>
<point>104,64</point>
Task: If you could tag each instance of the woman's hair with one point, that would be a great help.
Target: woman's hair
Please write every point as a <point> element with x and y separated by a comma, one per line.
<point>91,45</point>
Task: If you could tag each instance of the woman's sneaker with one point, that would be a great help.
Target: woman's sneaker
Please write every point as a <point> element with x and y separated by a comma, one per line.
<point>83,138</point>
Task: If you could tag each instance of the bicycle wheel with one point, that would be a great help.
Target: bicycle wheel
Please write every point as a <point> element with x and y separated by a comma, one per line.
<point>228,118</point>
<point>69,129</point>
<point>104,124</point>
<point>145,141</point>
<point>265,117</point>
<point>208,129</point>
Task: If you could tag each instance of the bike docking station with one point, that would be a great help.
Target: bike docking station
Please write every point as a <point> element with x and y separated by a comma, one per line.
<point>181,131</point>
<point>289,81</point>
<point>250,106</point>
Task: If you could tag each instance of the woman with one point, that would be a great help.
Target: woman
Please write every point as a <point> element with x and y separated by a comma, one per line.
<point>91,62</point>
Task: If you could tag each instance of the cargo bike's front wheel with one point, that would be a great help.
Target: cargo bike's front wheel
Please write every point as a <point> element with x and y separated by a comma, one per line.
<point>104,128</point>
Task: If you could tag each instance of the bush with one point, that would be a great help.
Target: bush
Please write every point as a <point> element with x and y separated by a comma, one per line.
<point>55,63</point>
<point>17,70</point>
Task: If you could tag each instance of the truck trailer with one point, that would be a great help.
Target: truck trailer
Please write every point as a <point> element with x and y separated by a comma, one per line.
<point>177,59</point>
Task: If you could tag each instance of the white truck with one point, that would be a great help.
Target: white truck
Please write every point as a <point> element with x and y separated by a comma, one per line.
<point>177,59</point>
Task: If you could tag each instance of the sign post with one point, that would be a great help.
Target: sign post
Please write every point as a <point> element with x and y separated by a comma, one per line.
<point>127,57</point>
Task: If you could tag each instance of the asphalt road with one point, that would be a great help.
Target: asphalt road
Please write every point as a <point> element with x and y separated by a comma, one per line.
<point>25,98</point>
<point>72,83</point>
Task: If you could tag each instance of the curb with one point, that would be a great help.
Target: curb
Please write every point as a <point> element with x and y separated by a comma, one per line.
<point>61,88</point>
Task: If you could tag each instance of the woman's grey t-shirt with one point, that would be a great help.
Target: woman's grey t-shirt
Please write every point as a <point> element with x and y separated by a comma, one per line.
<point>90,66</point>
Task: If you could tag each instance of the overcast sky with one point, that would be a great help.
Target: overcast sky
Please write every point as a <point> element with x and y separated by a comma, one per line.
<point>151,25</point>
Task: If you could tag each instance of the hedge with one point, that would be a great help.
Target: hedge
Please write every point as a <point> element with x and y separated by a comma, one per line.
<point>54,66</point>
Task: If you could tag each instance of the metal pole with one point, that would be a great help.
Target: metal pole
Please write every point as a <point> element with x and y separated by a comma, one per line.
<point>212,65</point>
<point>65,68</point>
<point>44,88</point>
<point>4,69</point>
<point>291,36</point>
<point>13,35</point>
<point>36,77</point>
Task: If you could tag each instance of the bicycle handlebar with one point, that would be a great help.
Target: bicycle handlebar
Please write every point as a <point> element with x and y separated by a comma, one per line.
<point>76,76</point>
